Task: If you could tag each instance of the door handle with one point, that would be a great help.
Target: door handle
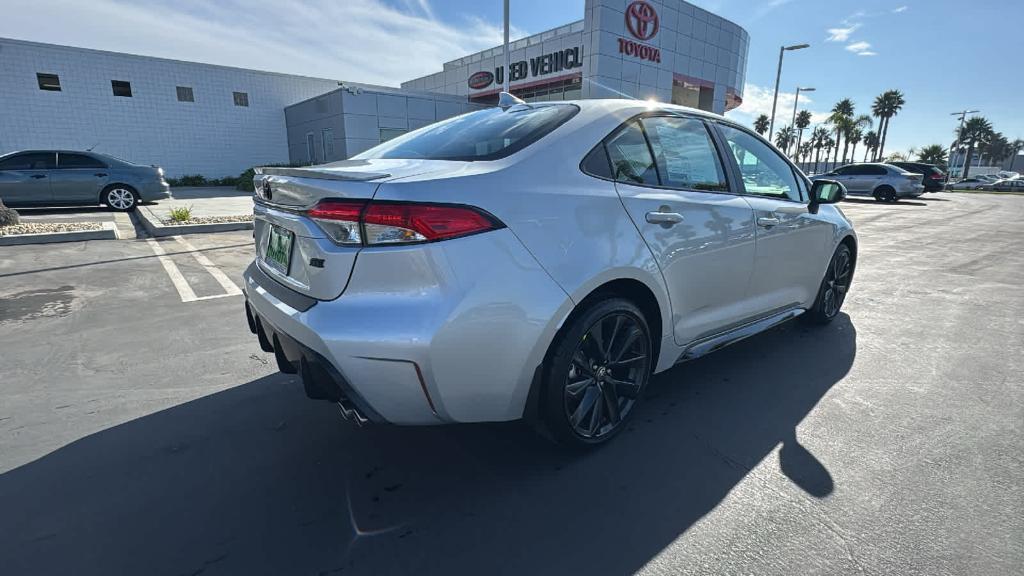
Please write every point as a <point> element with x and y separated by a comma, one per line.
<point>668,218</point>
<point>38,176</point>
<point>767,222</point>
<point>100,175</point>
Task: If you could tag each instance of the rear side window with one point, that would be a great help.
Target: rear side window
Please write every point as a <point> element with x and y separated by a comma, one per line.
<point>875,171</point>
<point>483,135</point>
<point>684,154</point>
<point>630,157</point>
<point>29,161</point>
<point>78,161</point>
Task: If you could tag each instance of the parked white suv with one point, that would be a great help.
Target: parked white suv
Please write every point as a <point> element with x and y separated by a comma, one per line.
<point>537,261</point>
<point>885,182</point>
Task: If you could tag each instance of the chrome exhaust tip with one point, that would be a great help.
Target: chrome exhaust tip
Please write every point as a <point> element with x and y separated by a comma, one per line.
<point>351,413</point>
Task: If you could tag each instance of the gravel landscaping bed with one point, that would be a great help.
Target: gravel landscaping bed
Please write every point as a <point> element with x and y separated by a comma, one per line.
<point>208,220</point>
<point>48,227</point>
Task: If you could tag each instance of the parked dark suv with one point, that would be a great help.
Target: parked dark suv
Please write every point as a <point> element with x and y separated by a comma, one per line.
<point>934,177</point>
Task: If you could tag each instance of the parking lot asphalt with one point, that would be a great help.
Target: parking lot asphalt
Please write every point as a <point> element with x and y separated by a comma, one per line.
<point>142,432</point>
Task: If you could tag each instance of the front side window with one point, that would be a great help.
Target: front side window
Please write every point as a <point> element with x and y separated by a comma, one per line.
<point>684,153</point>
<point>65,160</point>
<point>764,171</point>
<point>483,135</point>
<point>121,88</point>
<point>29,161</point>
<point>630,157</point>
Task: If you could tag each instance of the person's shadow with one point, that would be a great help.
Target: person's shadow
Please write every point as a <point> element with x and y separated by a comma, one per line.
<point>259,480</point>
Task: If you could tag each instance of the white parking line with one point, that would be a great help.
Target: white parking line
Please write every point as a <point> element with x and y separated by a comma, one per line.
<point>178,279</point>
<point>230,288</point>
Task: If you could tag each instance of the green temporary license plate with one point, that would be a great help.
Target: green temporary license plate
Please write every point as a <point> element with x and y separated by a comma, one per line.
<point>279,248</point>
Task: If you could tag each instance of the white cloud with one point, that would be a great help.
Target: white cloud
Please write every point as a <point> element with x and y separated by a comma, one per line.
<point>757,100</point>
<point>900,9</point>
<point>841,34</point>
<point>356,40</point>
<point>867,53</point>
<point>858,47</point>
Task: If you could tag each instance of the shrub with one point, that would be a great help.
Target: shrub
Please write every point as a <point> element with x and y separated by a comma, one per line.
<point>181,214</point>
<point>8,216</point>
<point>193,180</point>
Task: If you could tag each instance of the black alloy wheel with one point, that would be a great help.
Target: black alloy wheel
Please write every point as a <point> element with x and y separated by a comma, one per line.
<point>598,373</point>
<point>834,287</point>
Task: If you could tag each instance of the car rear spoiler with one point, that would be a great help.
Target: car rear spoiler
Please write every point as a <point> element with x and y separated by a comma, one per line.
<point>323,173</point>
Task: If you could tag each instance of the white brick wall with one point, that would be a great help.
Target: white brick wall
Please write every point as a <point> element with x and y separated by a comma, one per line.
<point>210,136</point>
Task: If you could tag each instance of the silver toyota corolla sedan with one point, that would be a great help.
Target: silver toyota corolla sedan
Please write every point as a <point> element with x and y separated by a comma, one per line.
<point>537,261</point>
<point>884,182</point>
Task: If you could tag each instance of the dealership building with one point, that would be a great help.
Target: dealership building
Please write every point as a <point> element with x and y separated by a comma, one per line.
<point>194,118</point>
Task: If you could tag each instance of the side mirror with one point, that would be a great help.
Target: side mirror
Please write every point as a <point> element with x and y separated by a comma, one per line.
<point>826,192</point>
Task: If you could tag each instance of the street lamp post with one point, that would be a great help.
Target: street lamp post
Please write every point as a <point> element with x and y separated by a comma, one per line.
<point>792,123</point>
<point>778,76</point>
<point>959,136</point>
<point>508,57</point>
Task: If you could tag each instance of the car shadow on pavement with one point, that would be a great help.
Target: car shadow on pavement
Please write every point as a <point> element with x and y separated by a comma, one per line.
<point>257,479</point>
<point>915,202</point>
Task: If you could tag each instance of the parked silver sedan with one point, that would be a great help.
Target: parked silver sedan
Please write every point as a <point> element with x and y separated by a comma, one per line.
<point>66,177</point>
<point>884,182</point>
<point>537,261</point>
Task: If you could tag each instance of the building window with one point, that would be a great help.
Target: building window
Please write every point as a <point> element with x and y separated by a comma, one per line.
<point>389,133</point>
<point>185,94</point>
<point>327,139</point>
<point>241,98</point>
<point>311,148</point>
<point>121,88</point>
<point>48,82</point>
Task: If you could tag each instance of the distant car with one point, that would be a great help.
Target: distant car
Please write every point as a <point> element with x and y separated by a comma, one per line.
<point>934,178</point>
<point>969,184</point>
<point>1007,185</point>
<point>66,177</point>
<point>885,182</point>
<point>990,178</point>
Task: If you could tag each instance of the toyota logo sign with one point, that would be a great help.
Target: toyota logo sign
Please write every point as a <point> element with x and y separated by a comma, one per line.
<point>641,20</point>
<point>480,80</point>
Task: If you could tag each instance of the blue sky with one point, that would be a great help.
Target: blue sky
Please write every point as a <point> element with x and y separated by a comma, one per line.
<point>858,49</point>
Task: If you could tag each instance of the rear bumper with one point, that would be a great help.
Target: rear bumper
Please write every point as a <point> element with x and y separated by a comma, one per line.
<point>444,332</point>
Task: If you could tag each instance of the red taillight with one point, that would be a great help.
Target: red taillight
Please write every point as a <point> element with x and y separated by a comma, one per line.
<point>355,222</point>
<point>339,219</point>
<point>938,176</point>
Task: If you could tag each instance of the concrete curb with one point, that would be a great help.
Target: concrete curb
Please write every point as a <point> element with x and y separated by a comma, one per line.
<point>108,232</point>
<point>154,227</point>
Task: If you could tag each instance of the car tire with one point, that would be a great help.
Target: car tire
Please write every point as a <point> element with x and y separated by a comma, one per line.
<point>833,289</point>
<point>596,372</point>
<point>886,194</point>
<point>120,197</point>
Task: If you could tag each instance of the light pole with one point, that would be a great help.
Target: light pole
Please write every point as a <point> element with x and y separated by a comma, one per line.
<point>778,76</point>
<point>959,136</point>
<point>508,57</point>
<point>792,123</point>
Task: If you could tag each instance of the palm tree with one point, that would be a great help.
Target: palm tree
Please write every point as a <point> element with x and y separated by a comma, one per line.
<point>784,137</point>
<point>805,150</point>
<point>870,144</point>
<point>761,124</point>
<point>818,137</point>
<point>932,154</point>
<point>1015,147</point>
<point>886,105</point>
<point>976,130</point>
<point>997,149</point>
<point>803,120</point>
<point>855,136</point>
<point>840,120</point>
<point>829,144</point>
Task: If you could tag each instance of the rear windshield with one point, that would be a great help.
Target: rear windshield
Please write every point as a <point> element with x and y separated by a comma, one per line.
<point>483,135</point>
